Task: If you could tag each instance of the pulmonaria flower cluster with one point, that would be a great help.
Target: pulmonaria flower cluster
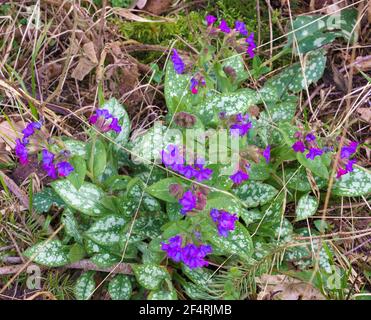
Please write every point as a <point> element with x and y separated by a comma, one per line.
<point>345,163</point>
<point>196,82</point>
<point>239,28</point>
<point>104,121</point>
<point>307,142</point>
<point>241,125</point>
<point>53,169</point>
<point>224,220</point>
<point>191,255</point>
<point>172,158</point>
<point>240,175</point>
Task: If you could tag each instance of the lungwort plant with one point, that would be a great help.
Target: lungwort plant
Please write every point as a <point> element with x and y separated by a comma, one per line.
<point>197,203</point>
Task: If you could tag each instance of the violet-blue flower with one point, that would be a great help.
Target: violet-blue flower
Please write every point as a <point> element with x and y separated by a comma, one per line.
<point>29,130</point>
<point>241,28</point>
<point>194,86</point>
<point>314,152</point>
<point>242,124</point>
<point>310,137</point>
<point>201,173</point>
<point>188,202</point>
<point>239,177</point>
<point>179,65</point>
<point>347,151</point>
<point>64,168</point>
<point>99,119</point>
<point>21,152</point>
<point>47,157</point>
<point>251,46</point>
<point>173,248</point>
<point>349,165</point>
<point>193,256</point>
<point>226,223</point>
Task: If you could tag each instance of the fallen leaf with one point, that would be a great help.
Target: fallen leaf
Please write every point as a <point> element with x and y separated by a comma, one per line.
<point>157,6</point>
<point>141,3</point>
<point>87,62</point>
<point>282,287</point>
<point>365,114</point>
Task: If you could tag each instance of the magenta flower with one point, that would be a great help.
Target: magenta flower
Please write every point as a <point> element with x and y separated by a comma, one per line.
<point>224,27</point>
<point>267,153</point>
<point>241,28</point>
<point>314,152</point>
<point>340,172</point>
<point>188,202</point>
<point>239,177</point>
<point>299,146</point>
<point>179,65</point>
<point>347,151</point>
<point>173,248</point>
<point>210,19</point>
<point>194,86</point>
<point>21,152</point>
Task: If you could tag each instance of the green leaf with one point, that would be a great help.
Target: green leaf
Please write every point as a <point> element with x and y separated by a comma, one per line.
<point>120,287</point>
<point>48,253</point>
<point>163,295</point>
<point>106,231</point>
<point>238,241</point>
<point>306,207</point>
<point>77,176</point>
<point>43,200</point>
<point>177,93</point>
<point>85,286</point>
<point>317,165</point>
<point>231,103</point>
<point>297,179</point>
<point>97,158</point>
<point>71,225</point>
<point>150,276</point>
<point>75,147</point>
<point>353,184</point>
<point>254,193</point>
<point>291,79</point>
<point>196,292</point>
<point>200,276</point>
<point>160,189</point>
<point>85,200</point>
<point>104,260</point>
<point>118,111</point>
<point>76,253</point>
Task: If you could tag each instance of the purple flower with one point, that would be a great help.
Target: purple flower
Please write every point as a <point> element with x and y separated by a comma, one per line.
<point>314,152</point>
<point>21,152</point>
<point>99,119</point>
<point>224,27</point>
<point>349,165</point>
<point>172,156</point>
<point>210,19</point>
<point>239,177</point>
<point>242,124</point>
<point>173,248</point>
<point>193,256</point>
<point>201,173</point>
<point>310,137</point>
<point>214,214</point>
<point>179,65</point>
<point>187,171</point>
<point>226,223</point>
<point>299,146</point>
<point>267,153</point>
<point>64,168</point>
<point>194,86</point>
<point>51,171</point>
<point>114,126</point>
<point>241,28</point>
<point>251,46</point>
<point>348,151</point>
<point>30,129</point>
<point>47,157</point>
<point>188,202</point>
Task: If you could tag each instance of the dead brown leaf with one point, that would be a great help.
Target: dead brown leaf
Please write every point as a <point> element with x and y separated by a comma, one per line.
<point>87,62</point>
<point>365,114</point>
<point>157,6</point>
<point>282,287</point>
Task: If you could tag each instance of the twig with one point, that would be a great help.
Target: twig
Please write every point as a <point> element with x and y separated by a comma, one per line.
<point>122,268</point>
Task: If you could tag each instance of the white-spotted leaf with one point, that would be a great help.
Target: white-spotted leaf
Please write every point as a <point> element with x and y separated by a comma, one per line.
<point>48,253</point>
<point>120,287</point>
